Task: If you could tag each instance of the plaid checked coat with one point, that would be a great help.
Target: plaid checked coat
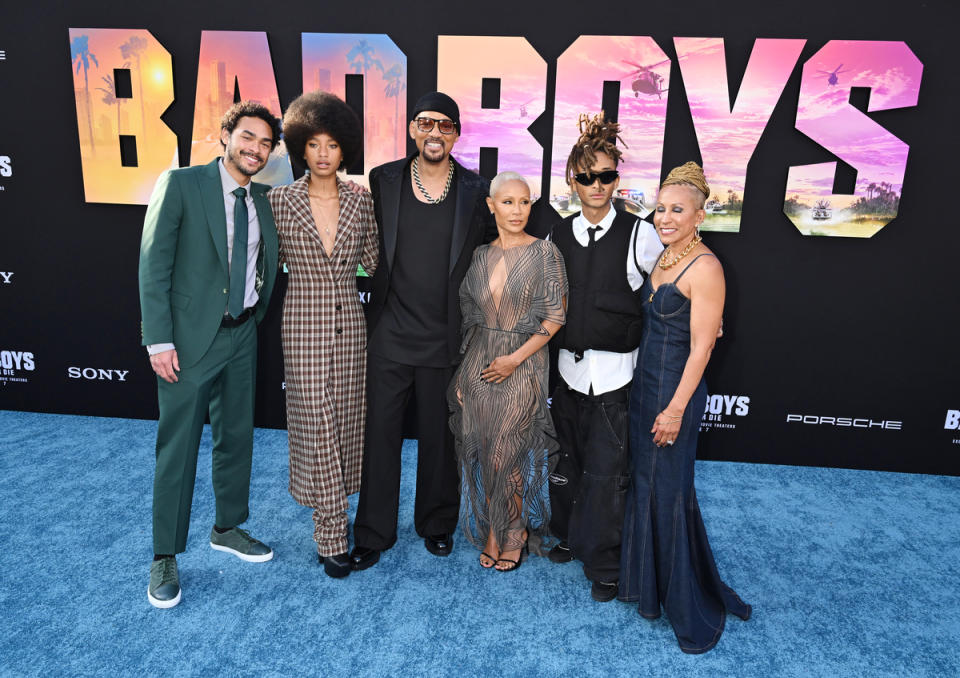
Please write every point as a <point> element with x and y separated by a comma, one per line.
<point>324,337</point>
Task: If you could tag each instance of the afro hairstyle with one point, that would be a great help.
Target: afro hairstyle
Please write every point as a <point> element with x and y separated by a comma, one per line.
<point>319,112</point>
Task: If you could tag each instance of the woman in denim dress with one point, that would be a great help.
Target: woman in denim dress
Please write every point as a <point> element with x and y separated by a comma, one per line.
<point>666,559</point>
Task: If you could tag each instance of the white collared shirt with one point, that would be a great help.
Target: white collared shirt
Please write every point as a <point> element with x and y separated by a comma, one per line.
<point>250,297</point>
<point>605,370</point>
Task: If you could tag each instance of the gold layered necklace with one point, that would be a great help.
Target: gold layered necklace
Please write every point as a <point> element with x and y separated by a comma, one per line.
<point>314,196</point>
<point>664,264</point>
<point>415,170</point>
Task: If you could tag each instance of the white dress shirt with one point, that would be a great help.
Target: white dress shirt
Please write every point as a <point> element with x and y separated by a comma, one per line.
<point>606,371</point>
<point>250,297</point>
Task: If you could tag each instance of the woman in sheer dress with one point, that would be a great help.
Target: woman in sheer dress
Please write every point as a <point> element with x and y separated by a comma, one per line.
<point>512,300</point>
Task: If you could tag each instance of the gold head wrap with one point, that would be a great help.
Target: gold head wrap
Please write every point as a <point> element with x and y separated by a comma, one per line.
<point>690,174</point>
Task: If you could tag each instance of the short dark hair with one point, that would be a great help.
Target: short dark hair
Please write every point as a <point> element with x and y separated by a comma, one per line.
<point>322,113</point>
<point>250,109</point>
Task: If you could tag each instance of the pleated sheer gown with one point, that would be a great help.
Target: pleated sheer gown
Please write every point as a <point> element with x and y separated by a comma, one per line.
<point>504,433</point>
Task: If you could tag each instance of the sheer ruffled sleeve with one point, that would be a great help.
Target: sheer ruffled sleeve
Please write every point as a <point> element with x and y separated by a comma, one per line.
<point>547,302</point>
<point>470,311</point>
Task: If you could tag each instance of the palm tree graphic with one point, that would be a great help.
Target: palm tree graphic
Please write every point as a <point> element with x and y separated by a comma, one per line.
<point>395,86</point>
<point>80,53</point>
<point>133,48</point>
<point>361,58</point>
<point>110,95</point>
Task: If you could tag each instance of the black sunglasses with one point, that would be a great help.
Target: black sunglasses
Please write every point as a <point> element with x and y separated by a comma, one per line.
<point>588,178</point>
<point>425,124</point>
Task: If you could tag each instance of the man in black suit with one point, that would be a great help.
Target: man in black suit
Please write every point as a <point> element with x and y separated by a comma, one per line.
<point>432,215</point>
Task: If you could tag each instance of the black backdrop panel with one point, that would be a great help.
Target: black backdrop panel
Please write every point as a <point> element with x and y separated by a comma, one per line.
<point>837,352</point>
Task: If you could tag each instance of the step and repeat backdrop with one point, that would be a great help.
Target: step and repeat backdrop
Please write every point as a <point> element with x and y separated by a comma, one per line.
<point>828,136</point>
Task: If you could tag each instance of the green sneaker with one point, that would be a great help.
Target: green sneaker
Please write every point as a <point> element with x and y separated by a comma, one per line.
<point>241,544</point>
<point>164,588</point>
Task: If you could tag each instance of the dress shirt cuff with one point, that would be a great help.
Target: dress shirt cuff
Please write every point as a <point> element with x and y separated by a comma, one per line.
<point>154,349</point>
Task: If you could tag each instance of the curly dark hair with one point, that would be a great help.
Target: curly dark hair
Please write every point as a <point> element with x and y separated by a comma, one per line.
<point>596,135</point>
<point>322,113</point>
<point>250,109</point>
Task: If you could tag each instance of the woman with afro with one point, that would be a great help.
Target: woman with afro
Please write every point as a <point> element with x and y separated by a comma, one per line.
<point>326,230</point>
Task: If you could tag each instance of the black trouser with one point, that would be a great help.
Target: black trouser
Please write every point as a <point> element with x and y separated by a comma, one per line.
<point>588,488</point>
<point>437,506</point>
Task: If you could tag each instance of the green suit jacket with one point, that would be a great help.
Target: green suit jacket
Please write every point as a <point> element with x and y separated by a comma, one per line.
<point>184,276</point>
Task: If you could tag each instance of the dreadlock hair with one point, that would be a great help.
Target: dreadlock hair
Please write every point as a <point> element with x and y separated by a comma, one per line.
<point>597,135</point>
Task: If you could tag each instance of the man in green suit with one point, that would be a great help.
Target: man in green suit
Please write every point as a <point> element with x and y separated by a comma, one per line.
<point>208,261</point>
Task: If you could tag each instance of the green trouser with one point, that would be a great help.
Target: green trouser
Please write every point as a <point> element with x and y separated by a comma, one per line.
<point>223,382</point>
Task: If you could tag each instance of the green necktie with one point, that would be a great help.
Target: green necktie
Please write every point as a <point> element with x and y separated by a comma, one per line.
<point>238,262</point>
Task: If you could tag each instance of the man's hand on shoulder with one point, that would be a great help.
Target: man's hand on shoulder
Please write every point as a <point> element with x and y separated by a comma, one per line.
<point>166,364</point>
<point>355,187</point>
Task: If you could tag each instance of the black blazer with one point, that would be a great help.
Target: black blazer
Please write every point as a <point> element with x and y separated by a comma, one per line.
<point>473,225</point>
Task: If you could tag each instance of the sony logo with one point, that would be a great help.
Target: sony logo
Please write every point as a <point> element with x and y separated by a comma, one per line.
<point>5,277</point>
<point>18,360</point>
<point>6,168</point>
<point>95,374</point>
<point>844,422</point>
<point>953,420</point>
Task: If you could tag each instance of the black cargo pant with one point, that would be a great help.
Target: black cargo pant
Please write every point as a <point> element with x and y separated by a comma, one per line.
<point>589,485</point>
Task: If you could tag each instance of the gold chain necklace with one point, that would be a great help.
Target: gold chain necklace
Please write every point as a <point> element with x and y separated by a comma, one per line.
<point>326,229</point>
<point>686,250</point>
<point>415,169</point>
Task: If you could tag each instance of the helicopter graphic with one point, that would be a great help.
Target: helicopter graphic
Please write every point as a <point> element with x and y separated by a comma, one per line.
<point>523,108</point>
<point>832,78</point>
<point>645,80</point>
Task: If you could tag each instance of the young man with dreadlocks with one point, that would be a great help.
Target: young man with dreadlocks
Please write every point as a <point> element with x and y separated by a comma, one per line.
<point>608,254</point>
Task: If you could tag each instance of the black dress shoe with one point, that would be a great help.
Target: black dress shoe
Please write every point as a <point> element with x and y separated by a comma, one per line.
<point>603,592</point>
<point>361,557</point>
<point>439,544</point>
<point>560,553</point>
<point>337,566</point>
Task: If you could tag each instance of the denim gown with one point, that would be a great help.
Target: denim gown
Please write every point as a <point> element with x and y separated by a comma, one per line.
<point>665,558</point>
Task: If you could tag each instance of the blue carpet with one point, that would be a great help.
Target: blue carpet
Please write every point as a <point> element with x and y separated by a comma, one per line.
<point>850,573</point>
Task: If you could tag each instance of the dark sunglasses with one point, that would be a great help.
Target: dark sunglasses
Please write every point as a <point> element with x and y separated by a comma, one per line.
<point>588,178</point>
<point>425,124</point>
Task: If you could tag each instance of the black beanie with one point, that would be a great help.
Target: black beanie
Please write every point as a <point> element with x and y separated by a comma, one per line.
<point>439,102</point>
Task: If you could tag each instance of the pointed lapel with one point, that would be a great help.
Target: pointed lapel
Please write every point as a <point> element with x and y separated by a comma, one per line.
<point>211,193</point>
<point>349,205</point>
<point>390,187</point>
<point>268,228</point>
<point>463,213</point>
<point>299,203</point>
<point>268,260</point>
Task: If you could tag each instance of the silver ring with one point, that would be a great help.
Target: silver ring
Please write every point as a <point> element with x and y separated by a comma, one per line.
<point>669,442</point>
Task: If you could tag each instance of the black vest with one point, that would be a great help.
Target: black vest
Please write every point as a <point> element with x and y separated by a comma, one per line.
<point>603,313</point>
